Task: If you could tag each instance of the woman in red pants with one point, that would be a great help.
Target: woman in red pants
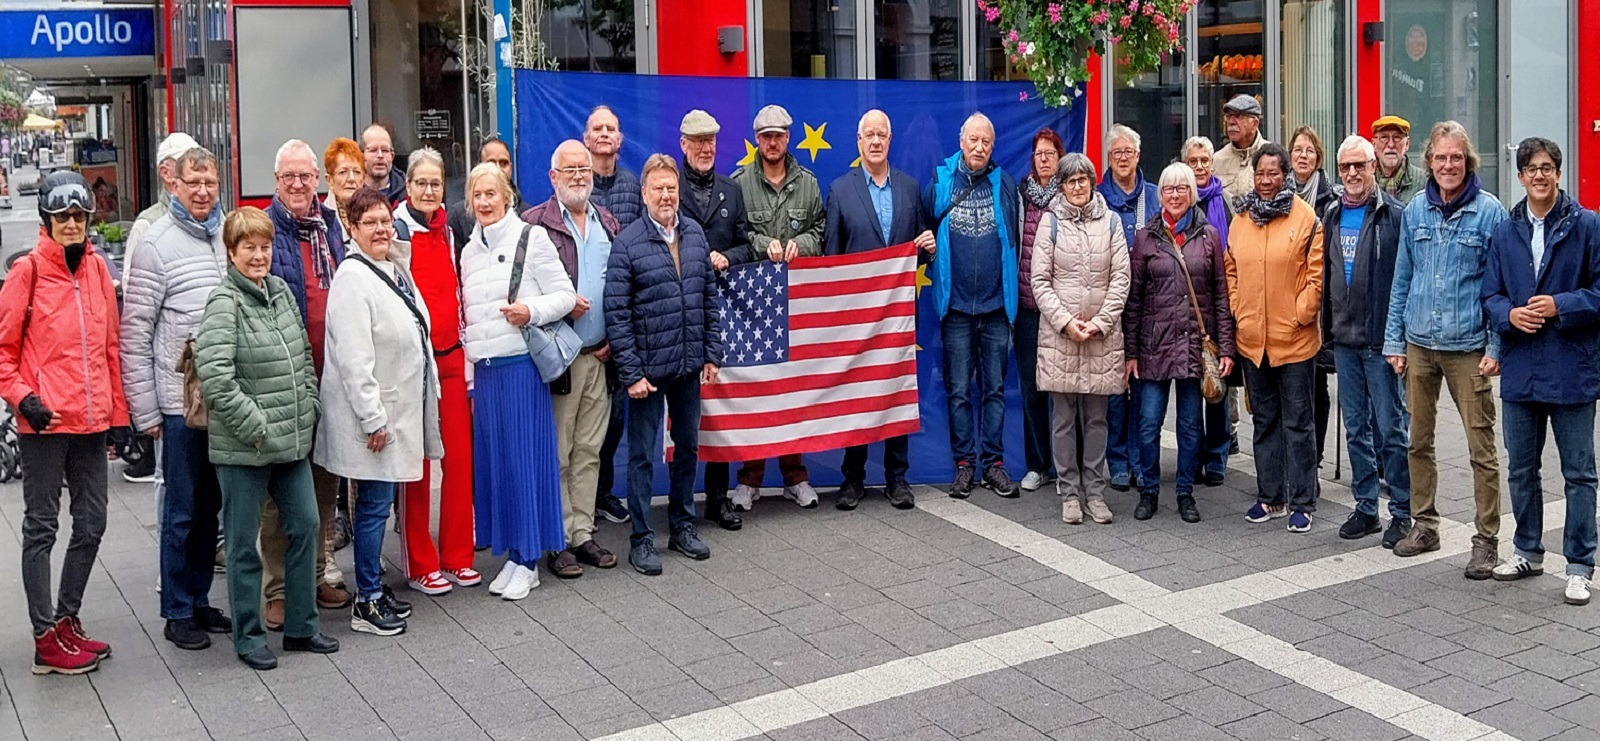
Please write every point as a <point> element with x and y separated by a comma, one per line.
<point>420,220</point>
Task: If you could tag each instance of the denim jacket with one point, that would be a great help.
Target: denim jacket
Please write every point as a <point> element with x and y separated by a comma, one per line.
<point>1438,274</point>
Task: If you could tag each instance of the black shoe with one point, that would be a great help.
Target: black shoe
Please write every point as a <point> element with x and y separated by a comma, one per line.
<point>686,540</point>
<point>1398,527</point>
<point>211,620</point>
<point>1187,510</point>
<point>721,512</point>
<point>645,558</point>
<point>317,644</point>
<point>261,659</point>
<point>1212,478</point>
<point>1233,444</point>
<point>962,488</point>
<point>899,494</point>
<point>1147,506</point>
<point>375,617</point>
<point>997,480</point>
<point>850,494</point>
<point>401,609</point>
<point>613,509</point>
<point>185,634</point>
<point>142,471</point>
<point>1360,525</point>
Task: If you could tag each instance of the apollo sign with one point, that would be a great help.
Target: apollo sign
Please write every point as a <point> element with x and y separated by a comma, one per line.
<point>77,33</point>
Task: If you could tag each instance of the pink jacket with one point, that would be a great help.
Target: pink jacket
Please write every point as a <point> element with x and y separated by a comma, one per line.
<point>68,353</point>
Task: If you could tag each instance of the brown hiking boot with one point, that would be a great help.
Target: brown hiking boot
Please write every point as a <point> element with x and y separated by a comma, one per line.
<point>1420,540</point>
<point>1485,556</point>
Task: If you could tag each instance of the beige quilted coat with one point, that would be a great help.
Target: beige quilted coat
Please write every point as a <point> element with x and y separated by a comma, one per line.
<point>1081,271</point>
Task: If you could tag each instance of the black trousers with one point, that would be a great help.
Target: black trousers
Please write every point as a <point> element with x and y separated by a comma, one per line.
<point>1285,438</point>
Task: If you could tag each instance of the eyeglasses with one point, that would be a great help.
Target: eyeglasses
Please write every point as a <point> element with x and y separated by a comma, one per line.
<point>298,177</point>
<point>429,185</point>
<point>1198,162</point>
<point>379,151</point>
<point>1124,154</point>
<point>1449,159</point>
<point>1545,170</point>
<point>1047,154</point>
<point>1389,138</point>
<point>1172,190</point>
<point>375,224</point>
<point>82,217</point>
<point>207,184</point>
<point>1078,181</point>
<point>347,172</point>
<point>1353,166</point>
<point>572,172</point>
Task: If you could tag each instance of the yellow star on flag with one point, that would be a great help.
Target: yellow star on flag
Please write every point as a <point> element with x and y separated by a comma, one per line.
<point>856,163</point>
<point>814,140</point>
<point>749,154</point>
<point>922,280</point>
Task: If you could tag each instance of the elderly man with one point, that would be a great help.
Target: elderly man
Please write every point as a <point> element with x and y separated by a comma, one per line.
<point>378,149</point>
<point>1136,202</point>
<point>165,290</point>
<point>1437,332</point>
<point>304,254</point>
<point>1391,136</point>
<point>1542,291</point>
<point>1242,122</point>
<point>868,209</point>
<point>972,207</point>
<point>716,204</point>
<point>666,338</point>
<point>460,214</point>
<point>1362,233</point>
<point>784,206</point>
<point>582,233</point>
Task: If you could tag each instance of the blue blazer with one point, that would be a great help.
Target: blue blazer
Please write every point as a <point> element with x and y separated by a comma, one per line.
<point>852,220</point>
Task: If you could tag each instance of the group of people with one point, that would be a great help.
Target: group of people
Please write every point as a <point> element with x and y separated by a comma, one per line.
<point>378,334</point>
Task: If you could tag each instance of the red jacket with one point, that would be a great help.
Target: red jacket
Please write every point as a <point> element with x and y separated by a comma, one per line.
<point>68,354</point>
<point>432,262</point>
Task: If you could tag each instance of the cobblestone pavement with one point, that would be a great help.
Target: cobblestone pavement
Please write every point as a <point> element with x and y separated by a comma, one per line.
<point>980,619</point>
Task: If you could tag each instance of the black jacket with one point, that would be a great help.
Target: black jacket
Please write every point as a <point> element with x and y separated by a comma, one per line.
<point>619,194</point>
<point>1354,314</point>
<point>852,220</point>
<point>724,222</point>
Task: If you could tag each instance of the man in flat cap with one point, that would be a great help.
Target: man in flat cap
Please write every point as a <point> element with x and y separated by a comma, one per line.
<point>786,220</point>
<point>1391,136</point>
<point>715,203</point>
<point>1242,121</point>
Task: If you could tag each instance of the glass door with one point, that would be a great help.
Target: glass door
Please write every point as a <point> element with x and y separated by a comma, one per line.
<point>1230,57</point>
<point>1155,105</point>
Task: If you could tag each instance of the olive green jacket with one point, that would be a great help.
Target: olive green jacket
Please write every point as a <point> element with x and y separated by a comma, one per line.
<point>254,363</point>
<point>793,211</point>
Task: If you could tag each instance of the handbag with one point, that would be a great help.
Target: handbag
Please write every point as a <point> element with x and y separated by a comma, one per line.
<point>552,346</point>
<point>1211,386</point>
<point>196,416</point>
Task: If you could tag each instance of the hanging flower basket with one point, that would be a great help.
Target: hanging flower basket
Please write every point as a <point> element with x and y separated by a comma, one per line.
<point>1052,39</point>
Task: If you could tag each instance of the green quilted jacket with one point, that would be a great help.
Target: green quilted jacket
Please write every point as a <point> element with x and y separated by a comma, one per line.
<point>256,374</point>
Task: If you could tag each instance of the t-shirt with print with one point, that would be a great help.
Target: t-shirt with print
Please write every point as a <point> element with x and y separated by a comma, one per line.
<point>1350,238</point>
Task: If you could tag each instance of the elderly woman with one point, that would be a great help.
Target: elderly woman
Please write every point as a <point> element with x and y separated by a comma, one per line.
<point>344,164</point>
<point>380,397</point>
<point>260,388</point>
<point>1135,203</point>
<point>1217,435</point>
<point>1178,297</point>
<point>428,253</point>
<point>1315,188</point>
<point>1274,263</point>
<point>516,473</point>
<point>1080,281</point>
<point>1040,192</point>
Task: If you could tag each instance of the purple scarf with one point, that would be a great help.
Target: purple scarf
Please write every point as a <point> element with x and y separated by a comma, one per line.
<point>1216,206</point>
<point>313,230</point>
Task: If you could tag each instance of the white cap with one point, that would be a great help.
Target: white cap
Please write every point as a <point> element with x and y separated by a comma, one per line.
<point>174,146</point>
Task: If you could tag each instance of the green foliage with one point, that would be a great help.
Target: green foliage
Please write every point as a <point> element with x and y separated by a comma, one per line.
<point>111,233</point>
<point>1052,39</point>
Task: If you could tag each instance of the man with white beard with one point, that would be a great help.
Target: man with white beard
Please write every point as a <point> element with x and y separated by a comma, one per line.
<point>582,233</point>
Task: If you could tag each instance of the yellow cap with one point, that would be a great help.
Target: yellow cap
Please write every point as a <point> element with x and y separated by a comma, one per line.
<point>1394,121</point>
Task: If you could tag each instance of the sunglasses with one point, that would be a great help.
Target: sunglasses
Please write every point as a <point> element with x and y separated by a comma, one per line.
<point>82,217</point>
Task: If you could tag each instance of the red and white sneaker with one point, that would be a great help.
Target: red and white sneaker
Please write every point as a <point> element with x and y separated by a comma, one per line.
<point>432,583</point>
<point>70,630</point>
<point>53,654</point>
<point>467,577</point>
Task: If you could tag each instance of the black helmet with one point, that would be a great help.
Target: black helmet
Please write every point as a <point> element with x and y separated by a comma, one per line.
<point>63,190</point>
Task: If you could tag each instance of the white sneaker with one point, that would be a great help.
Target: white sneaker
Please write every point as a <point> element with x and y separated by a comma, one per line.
<point>1034,481</point>
<point>1577,589</point>
<point>744,497</point>
<point>498,586</point>
<point>802,494</point>
<point>1515,567</point>
<point>523,580</point>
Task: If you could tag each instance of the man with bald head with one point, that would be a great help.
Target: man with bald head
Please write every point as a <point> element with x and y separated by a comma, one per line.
<point>868,209</point>
<point>972,207</point>
<point>377,148</point>
<point>582,232</point>
<point>615,187</point>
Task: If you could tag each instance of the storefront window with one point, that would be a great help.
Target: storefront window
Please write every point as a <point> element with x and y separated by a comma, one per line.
<point>809,38</point>
<point>1443,65</point>
<point>1230,54</point>
<point>992,62</point>
<point>1153,105</point>
<point>590,35</point>
<point>918,39</point>
<point>417,81</point>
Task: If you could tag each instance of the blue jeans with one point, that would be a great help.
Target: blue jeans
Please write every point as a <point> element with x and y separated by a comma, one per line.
<point>1122,431</point>
<point>1152,412</point>
<point>1217,439</point>
<point>1573,424</point>
<point>370,513</point>
<point>190,512</point>
<point>681,398</point>
<point>976,345</point>
<point>1372,398</point>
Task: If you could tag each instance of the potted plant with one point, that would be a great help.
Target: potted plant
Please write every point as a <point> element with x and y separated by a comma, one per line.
<point>112,237</point>
<point>1052,39</point>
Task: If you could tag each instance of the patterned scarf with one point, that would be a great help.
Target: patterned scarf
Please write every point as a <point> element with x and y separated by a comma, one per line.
<point>1040,194</point>
<point>313,230</point>
<point>1399,181</point>
<point>1094,209</point>
<point>1263,211</point>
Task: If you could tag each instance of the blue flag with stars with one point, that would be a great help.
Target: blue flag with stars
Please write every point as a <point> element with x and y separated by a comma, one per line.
<point>754,298</point>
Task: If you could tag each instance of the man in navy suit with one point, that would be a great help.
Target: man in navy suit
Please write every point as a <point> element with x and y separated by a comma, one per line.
<point>868,209</point>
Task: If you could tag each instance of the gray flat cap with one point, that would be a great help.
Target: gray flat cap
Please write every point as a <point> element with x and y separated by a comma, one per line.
<point>773,118</point>
<point>698,123</point>
<point>1243,104</point>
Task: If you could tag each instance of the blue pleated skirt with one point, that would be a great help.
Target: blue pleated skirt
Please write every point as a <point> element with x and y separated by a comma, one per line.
<point>516,476</point>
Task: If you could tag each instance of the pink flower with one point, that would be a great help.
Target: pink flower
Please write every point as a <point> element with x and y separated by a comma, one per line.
<point>1012,37</point>
<point>1022,97</point>
<point>1054,10</point>
<point>1116,39</point>
<point>1161,20</point>
<point>1101,17</point>
<point>1126,21</point>
<point>1133,7</point>
<point>991,14</point>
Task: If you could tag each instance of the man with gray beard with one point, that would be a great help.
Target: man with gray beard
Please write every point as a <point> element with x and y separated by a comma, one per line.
<point>582,233</point>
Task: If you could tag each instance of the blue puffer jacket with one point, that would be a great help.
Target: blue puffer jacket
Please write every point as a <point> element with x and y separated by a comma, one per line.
<point>1126,205</point>
<point>619,193</point>
<point>1560,363</point>
<point>662,322</point>
<point>286,261</point>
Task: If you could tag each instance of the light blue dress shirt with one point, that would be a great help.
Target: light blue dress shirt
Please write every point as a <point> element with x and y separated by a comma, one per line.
<point>882,202</point>
<point>594,251</point>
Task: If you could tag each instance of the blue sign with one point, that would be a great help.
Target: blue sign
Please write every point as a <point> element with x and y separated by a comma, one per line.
<point>45,34</point>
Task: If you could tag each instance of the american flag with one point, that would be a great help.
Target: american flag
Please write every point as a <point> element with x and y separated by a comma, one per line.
<point>821,354</point>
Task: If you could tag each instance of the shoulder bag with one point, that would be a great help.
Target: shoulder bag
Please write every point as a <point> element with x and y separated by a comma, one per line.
<point>1211,386</point>
<point>196,415</point>
<point>553,346</point>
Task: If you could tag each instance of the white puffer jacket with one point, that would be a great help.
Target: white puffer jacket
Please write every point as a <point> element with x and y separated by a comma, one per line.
<point>486,281</point>
<point>168,280</point>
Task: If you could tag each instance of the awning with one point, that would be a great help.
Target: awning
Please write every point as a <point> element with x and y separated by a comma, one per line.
<point>36,122</point>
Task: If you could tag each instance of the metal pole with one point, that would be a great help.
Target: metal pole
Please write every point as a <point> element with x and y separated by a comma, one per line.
<point>466,90</point>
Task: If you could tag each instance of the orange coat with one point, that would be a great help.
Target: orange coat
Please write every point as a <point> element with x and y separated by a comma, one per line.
<point>1275,285</point>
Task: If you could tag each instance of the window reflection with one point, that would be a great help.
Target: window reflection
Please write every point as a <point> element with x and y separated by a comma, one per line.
<point>1442,65</point>
<point>810,38</point>
<point>918,39</point>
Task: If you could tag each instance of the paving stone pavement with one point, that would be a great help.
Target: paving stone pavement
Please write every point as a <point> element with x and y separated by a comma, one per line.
<point>983,619</point>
